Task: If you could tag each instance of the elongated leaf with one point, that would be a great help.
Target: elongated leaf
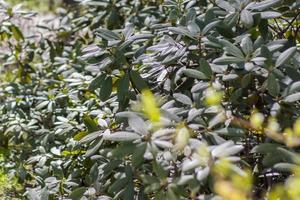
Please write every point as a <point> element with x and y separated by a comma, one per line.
<point>246,18</point>
<point>225,60</point>
<point>233,132</point>
<point>285,56</point>
<point>193,28</point>
<point>202,174</point>
<point>122,136</point>
<point>108,35</point>
<point>141,37</point>
<point>265,148</point>
<point>138,155</point>
<point>225,5</point>
<point>97,82</point>
<point>137,81</point>
<point>247,45</point>
<point>217,151</point>
<point>294,87</point>
<point>77,193</point>
<point>138,125</point>
<point>273,85</point>
<point>118,185</point>
<point>181,31</point>
<point>199,87</point>
<point>269,14</point>
<point>193,73</point>
<point>182,98</point>
<point>209,27</point>
<point>263,5</point>
<point>292,98</point>
<point>205,67</point>
<point>232,49</point>
<point>285,167</point>
<point>44,193</point>
<point>90,123</point>
<point>159,171</point>
<point>106,89</point>
<point>18,35</point>
<point>229,77</point>
<point>122,88</point>
<point>94,147</point>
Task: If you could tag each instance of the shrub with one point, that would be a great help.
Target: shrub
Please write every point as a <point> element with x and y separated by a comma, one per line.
<point>154,100</point>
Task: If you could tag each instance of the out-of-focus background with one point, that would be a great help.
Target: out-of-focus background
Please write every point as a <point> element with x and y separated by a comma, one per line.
<point>41,5</point>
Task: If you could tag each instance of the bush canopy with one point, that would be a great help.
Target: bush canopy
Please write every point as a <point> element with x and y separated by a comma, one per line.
<point>151,99</point>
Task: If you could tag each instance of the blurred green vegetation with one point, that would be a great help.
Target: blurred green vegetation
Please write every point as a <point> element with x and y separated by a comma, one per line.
<point>37,5</point>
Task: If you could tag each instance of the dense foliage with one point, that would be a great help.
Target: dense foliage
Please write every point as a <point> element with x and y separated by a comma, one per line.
<point>152,99</point>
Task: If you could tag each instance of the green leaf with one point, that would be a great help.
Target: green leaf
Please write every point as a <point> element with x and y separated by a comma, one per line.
<point>193,28</point>
<point>285,56</point>
<point>91,125</point>
<point>193,73</point>
<point>292,98</point>
<point>294,87</point>
<point>271,159</point>
<point>138,125</point>
<point>159,170</point>
<point>183,99</point>
<point>137,80</point>
<point>90,137</point>
<point>209,27</point>
<point>94,147</point>
<point>97,82</point>
<point>263,28</point>
<point>94,172</point>
<point>288,155</point>
<point>231,19</point>
<point>269,15</point>
<point>123,88</point>
<point>108,35</point>
<point>236,95</point>
<point>172,58</point>
<point>246,18</point>
<point>285,167</point>
<point>122,136</point>
<point>77,193</point>
<point>226,60</point>
<point>225,5</point>
<point>181,31</point>
<point>263,5</point>
<point>265,148</point>
<point>273,85</point>
<point>140,37</point>
<point>205,67</point>
<point>225,30</point>
<point>292,73</point>
<point>138,155</point>
<point>44,193</point>
<point>17,33</point>
<point>106,89</point>
<point>32,195</point>
<point>231,49</point>
<point>231,132</point>
<point>118,185</point>
<point>247,45</point>
<point>246,80</point>
<point>229,77</point>
<point>124,149</point>
<point>80,135</point>
<point>129,189</point>
<point>42,105</point>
